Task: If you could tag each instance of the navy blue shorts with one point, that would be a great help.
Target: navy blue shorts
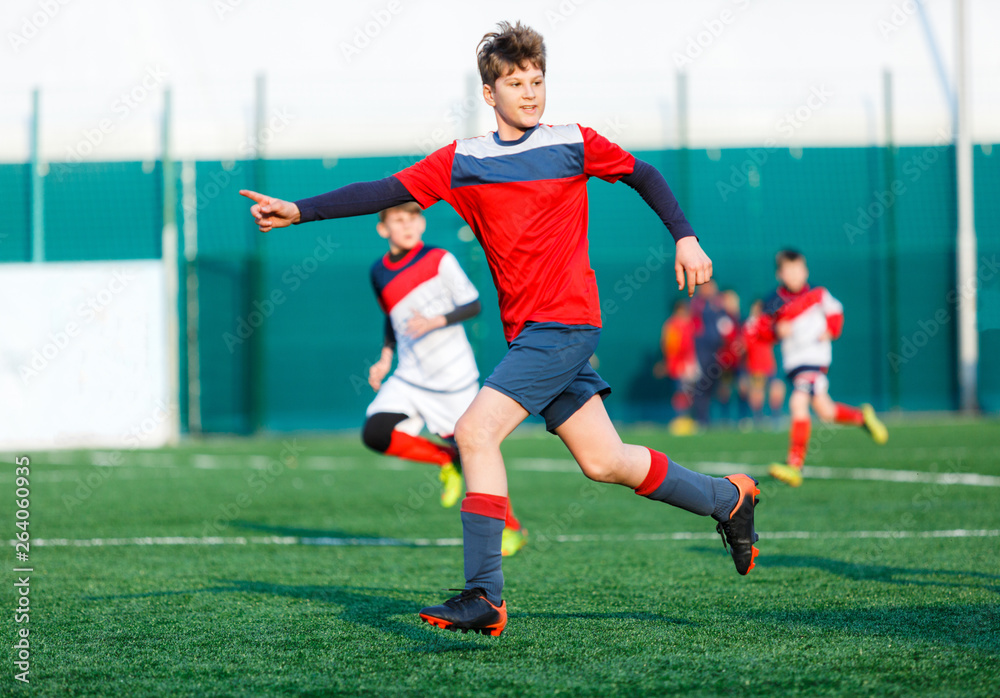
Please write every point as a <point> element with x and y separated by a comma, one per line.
<point>547,370</point>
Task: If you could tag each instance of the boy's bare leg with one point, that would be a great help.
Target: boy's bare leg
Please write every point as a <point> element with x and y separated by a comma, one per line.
<point>824,407</point>
<point>777,396</point>
<point>598,449</point>
<point>489,420</point>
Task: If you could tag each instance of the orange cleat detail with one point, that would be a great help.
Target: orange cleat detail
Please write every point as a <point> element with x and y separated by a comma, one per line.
<point>737,532</point>
<point>470,610</point>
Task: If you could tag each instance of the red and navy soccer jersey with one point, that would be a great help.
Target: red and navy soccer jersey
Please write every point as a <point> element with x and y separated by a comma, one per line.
<point>815,317</point>
<point>526,202</point>
<point>428,280</point>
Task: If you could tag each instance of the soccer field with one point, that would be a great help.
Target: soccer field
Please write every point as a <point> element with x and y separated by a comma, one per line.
<point>297,566</point>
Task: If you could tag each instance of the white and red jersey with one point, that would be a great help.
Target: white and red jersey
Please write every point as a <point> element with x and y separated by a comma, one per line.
<point>428,280</point>
<point>526,202</point>
<point>815,317</point>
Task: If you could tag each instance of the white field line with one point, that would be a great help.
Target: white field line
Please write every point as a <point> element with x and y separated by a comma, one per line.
<point>562,465</point>
<point>456,542</point>
<point>203,461</point>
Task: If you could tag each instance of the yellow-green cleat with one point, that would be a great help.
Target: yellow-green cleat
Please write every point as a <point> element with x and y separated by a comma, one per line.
<point>873,425</point>
<point>512,541</point>
<point>451,485</point>
<point>786,473</point>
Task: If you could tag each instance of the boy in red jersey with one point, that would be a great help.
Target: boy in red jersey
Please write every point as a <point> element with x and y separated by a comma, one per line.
<point>806,320</point>
<point>522,190</point>
<point>761,367</point>
<point>680,364</point>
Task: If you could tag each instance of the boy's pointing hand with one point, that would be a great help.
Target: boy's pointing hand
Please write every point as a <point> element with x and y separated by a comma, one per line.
<point>693,261</point>
<point>269,212</point>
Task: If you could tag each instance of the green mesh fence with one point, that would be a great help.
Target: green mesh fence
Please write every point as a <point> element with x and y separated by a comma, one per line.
<point>288,324</point>
<point>104,210</point>
<point>987,204</point>
<point>15,234</point>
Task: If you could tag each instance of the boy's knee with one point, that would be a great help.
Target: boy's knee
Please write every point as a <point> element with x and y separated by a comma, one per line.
<point>468,434</point>
<point>825,414</point>
<point>600,469</point>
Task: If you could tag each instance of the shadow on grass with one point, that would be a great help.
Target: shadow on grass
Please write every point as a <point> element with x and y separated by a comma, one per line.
<point>323,536</point>
<point>621,615</point>
<point>362,607</point>
<point>967,625</point>
<point>909,576</point>
<point>856,571</point>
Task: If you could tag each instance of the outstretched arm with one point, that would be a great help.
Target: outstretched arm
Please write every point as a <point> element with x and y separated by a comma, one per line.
<point>690,258</point>
<point>356,199</point>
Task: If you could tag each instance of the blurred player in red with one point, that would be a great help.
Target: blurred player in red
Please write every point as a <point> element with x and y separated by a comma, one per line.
<point>760,364</point>
<point>425,296</point>
<point>680,364</point>
<point>806,320</point>
<point>523,191</point>
<point>730,356</point>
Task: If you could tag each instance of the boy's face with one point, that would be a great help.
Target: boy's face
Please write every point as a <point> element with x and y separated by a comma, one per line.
<point>518,98</point>
<point>403,229</point>
<point>731,303</point>
<point>793,275</point>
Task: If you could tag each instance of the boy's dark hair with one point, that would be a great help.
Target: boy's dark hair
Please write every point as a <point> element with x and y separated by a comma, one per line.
<point>788,255</point>
<point>680,305</point>
<point>408,207</point>
<point>507,49</point>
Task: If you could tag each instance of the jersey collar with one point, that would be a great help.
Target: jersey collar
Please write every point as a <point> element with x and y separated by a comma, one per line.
<point>788,295</point>
<point>522,139</point>
<point>407,258</point>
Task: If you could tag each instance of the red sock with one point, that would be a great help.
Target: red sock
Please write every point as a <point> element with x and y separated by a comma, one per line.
<point>418,448</point>
<point>658,463</point>
<point>492,506</point>
<point>511,521</point>
<point>798,442</point>
<point>848,415</point>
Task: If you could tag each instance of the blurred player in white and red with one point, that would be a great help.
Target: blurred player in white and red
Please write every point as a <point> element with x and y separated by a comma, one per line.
<point>806,320</point>
<point>425,296</point>
<point>760,366</point>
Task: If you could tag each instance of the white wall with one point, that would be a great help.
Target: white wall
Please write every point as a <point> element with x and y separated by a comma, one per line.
<point>333,90</point>
<point>83,356</point>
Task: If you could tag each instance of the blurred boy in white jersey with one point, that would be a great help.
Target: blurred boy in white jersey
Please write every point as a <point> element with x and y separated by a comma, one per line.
<point>805,320</point>
<point>425,296</point>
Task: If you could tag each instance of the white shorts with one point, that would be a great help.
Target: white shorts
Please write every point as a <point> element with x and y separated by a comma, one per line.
<point>439,411</point>
<point>811,382</point>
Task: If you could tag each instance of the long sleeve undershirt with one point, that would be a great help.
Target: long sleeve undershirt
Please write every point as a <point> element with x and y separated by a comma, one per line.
<point>358,199</point>
<point>654,190</point>
<point>363,198</point>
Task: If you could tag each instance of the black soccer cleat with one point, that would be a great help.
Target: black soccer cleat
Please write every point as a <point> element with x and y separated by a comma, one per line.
<point>738,535</point>
<point>470,610</point>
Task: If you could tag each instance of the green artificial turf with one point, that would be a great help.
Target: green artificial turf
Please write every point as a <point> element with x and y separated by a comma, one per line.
<point>828,615</point>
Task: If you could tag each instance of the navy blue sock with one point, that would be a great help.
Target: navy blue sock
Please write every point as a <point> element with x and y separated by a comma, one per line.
<point>483,518</point>
<point>694,492</point>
